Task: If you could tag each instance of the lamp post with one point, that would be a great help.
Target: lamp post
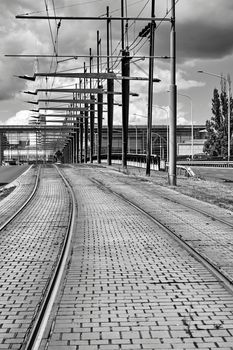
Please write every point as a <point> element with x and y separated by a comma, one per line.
<point>154,133</point>
<point>164,109</point>
<point>160,143</point>
<point>229,109</point>
<point>191,106</point>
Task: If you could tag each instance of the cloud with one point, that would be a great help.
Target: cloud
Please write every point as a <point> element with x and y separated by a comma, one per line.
<point>203,40</point>
<point>21,118</point>
<point>203,29</point>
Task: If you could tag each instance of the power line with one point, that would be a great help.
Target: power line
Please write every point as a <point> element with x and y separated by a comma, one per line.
<point>50,29</point>
<point>117,62</point>
<point>63,7</point>
<point>167,13</point>
<point>138,16</point>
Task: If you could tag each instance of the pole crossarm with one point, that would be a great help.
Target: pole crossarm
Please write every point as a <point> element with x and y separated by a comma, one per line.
<point>65,115</point>
<point>61,115</point>
<point>155,80</point>
<point>70,109</point>
<point>77,75</point>
<point>64,101</point>
<point>82,101</point>
<point>81,91</point>
<point>27,128</point>
<point>79,18</point>
<point>93,76</point>
<point>64,122</point>
<point>32,102</point>
<point>81,56</point>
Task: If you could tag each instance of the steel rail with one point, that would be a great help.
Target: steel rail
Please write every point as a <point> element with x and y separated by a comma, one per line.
<point>199,257</point>
<point>38,328</point>
<point>3,226</point>
<point>200,211</point>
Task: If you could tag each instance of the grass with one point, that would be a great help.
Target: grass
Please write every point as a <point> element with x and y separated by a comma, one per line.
<point>212,192</point>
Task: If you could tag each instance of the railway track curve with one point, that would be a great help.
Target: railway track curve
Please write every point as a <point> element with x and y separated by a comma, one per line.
<point>204,228</point>
<point>129,284</point>
<point>34,247</point>
<point>125,274</point>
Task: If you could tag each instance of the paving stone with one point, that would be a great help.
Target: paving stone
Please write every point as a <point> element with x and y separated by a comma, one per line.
<point>131,280</point>
<point>29,247</point>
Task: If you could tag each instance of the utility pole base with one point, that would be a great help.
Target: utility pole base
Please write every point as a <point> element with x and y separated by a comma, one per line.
<point>172,180</point>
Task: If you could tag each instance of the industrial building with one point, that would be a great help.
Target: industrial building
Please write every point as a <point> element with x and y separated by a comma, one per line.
<point>27,143</point>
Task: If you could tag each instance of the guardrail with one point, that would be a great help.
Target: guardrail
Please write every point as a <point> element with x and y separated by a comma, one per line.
<point>137,160</point>
<point>207,163</point>
<point>183,166</point>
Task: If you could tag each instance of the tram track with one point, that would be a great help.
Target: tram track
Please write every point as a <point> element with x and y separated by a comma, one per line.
<point>34,340</point>
<point>55,257</point>
<point>23,205</point>
<point>203,259</point>
<point>128,275</point>
<point>38,325</point>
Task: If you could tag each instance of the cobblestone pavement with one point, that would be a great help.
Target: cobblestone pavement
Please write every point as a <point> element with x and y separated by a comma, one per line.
<point>29,248</point>
<point>129,285</point>
<point>22,188</point>
<point>209,237</point>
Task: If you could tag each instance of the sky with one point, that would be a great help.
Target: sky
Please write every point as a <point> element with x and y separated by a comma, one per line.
<point>204,42</point>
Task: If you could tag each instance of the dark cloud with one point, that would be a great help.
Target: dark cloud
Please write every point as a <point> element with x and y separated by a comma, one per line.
<point>204,40</point>
<point>203,31</point>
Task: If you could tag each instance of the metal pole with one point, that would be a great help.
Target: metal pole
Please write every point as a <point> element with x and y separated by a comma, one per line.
<point>100,104</point>
<point>110,85</point>
<point>125,107</point>
<point>1,148</point>
<point>150,89</point>
<point>191,119</point>
<point>122,27</point>
<point>76,155</point>
<point>192,136</point>
<point>92,116</point>
<point>36,149</point>
<point>86,134</point>
<point>73,147</point>
<point>125,92</point>
<point>172,104</point>
<point>100,122</point>
<point>229,119</point>
<point>80,131</point>
<point>167,139</point>
<point>110,88</point>
<point>85,123</point>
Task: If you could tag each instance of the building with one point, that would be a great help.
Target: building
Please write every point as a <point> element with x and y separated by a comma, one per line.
<point>29,144</point>
<point>137,140</point>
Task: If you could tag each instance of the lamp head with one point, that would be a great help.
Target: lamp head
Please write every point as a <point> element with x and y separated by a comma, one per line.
<point>26,77</point>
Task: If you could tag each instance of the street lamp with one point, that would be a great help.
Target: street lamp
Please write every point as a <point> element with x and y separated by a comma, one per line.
<point>229,108</point>
<point>154,133</point>
<point>191,106</point>
<point>164,109</point>
<point>160,143</point>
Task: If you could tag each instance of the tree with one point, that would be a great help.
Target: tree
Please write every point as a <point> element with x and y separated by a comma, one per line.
<point>217,126</point>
